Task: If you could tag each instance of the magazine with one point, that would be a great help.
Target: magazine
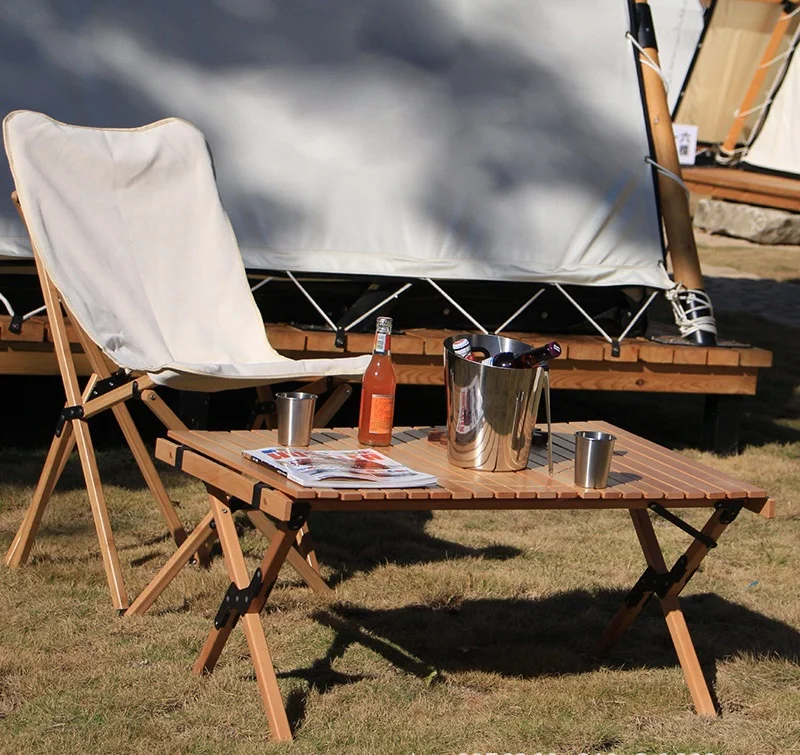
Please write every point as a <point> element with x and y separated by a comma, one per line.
<point>359,468</point>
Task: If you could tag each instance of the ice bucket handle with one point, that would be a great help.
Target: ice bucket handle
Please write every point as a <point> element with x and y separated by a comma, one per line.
<point>518,441</point>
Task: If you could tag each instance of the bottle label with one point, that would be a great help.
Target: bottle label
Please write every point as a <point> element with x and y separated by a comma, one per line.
<point>380,342</point>
<point>381,418</point>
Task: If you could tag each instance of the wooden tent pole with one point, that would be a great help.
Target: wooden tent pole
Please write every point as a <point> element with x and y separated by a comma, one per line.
<point>674,201</point>
<point>770,53</point>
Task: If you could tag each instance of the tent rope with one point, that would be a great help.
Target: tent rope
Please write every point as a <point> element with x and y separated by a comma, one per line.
<point>7,305</point>
<point>686,312</point>
<point>648,60</point>
<point>668,173</point>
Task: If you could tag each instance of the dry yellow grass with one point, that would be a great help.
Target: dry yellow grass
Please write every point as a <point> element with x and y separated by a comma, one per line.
<point>450,633</point>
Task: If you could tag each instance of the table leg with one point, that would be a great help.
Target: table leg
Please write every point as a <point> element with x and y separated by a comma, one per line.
<point>302,565</point>
<point>681,572</point>
<point>676,623</point>
<point>250,607</point>
<point>196,541</point>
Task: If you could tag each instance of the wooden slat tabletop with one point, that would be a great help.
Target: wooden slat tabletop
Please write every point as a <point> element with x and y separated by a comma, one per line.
<point>641,472</point>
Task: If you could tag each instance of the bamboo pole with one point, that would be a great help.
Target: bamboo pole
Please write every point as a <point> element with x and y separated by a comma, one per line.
<point>674,201</point>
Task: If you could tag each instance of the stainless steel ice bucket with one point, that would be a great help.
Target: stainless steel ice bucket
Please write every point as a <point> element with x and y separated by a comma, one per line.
<point>491,411</point>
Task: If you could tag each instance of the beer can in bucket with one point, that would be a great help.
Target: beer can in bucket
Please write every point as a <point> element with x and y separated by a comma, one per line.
<point>491,411</point>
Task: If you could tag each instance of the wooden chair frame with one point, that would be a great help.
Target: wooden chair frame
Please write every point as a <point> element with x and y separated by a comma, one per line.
<point>72,430</point>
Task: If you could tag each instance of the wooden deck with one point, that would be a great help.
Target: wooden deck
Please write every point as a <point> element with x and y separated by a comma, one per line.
<point>745,186</point>
<point>586,363</point>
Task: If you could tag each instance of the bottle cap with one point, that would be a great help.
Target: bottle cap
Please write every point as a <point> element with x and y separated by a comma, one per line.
<point>462,347</point>
<point>383,325</point>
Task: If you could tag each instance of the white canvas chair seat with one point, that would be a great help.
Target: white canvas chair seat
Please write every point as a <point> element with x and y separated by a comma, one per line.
<point>129,225</point>
<point>131,241</point>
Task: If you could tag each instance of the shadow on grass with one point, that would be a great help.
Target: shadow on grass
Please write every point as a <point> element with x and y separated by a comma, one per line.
<point>351,543</point>
<point>540,637</point>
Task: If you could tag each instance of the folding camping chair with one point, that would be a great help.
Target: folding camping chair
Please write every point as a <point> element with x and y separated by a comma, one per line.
<point>132,244</point>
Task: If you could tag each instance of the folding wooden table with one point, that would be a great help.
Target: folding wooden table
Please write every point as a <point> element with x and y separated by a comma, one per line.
<point>646,479</point>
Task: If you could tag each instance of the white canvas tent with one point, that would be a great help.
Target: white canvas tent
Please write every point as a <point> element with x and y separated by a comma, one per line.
<point>679,26</point>
<point>733,88</point>
<point>443,139</point>
<point>776,146</point>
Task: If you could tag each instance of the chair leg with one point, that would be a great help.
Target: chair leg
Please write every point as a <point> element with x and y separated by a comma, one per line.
<point>309,573</point>
<point>199,538</point>
<point>57,456</point>
<point>149,472</point>
<point>263,416</point>
<point>334,402</point>
<point>105,536</point>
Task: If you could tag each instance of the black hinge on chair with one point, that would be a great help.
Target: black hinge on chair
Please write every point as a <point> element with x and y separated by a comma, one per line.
<point>15,325</point>
<point>67,413</point>
<point>657,508</point>
<point>237,600</point>
<point>120,377</point>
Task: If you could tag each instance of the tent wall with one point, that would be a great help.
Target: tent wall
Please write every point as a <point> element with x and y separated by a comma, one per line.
<point>444,138</point>
<point>679,25</point>
<point>734,43</point>
<point>777,145</point>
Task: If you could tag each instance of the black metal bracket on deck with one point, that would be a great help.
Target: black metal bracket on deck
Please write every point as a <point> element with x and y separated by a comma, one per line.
<point>67,413</point>
<point>341,338</point>
<point>237,599</point>
<point>659,583</point>
<point>657,508</point>
<point>15,324</point>
<point>115,380</point>
<point>615,348</point>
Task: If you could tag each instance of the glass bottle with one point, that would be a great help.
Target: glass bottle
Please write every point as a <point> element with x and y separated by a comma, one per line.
<point>376,418</point>
<point>527,359</point>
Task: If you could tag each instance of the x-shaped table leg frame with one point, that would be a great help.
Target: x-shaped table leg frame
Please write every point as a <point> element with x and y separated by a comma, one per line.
<point>301,555</point>
<point>668,584</point>
<point>245,600</point>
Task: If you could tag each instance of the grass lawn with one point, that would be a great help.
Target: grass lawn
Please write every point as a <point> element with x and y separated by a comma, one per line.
<point>451,632</point>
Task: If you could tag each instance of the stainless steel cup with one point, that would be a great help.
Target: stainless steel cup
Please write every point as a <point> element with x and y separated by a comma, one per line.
<point>295,417</point>
<point>593,452</point>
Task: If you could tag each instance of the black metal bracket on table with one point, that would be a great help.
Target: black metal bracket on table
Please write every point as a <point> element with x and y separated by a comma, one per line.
<point>237,599</point>
<point>656,582</point>
<point>657,508</point>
